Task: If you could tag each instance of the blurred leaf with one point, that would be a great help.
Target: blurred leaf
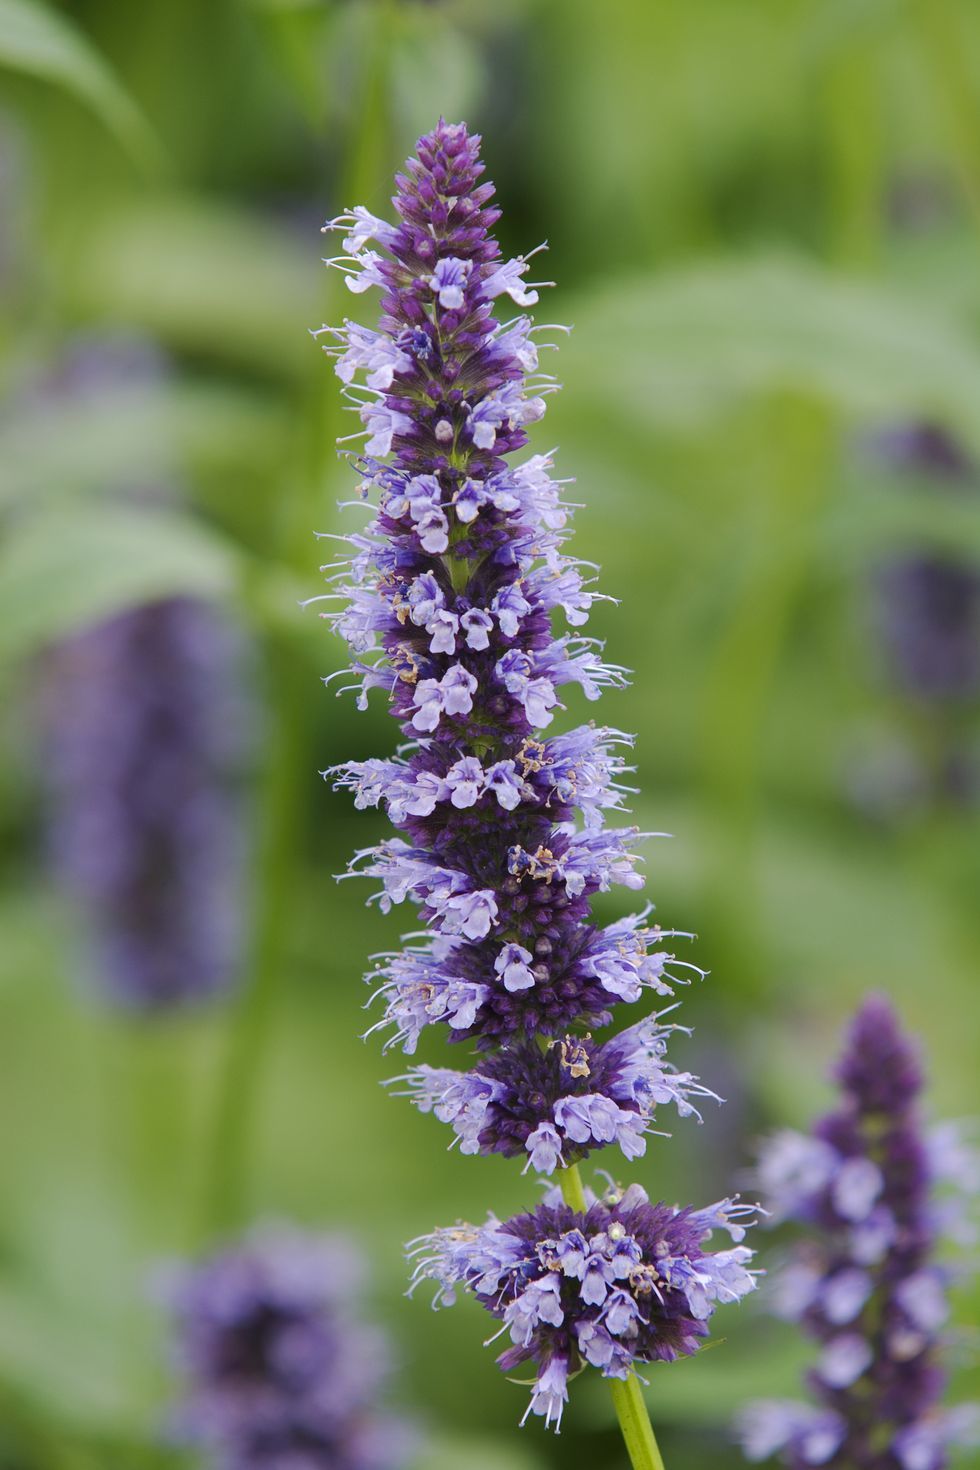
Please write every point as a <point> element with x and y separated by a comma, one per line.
<point>446,1453</point>
<point>60,570</point>
<point>875,516</point>
<point>426,48</point>
<point>84,1370</point>
<point>222,282</point>
<point>711,1386</point>
<point>839,24</point>
<point>125,436</point>
<point>691,342</point>
<point>44,43</point>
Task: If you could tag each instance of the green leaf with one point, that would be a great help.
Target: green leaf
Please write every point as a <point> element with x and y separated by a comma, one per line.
<point>445,1452</point>
<point>204,279</point>
<point>44,43</point>
<point>674,349</point>
<point>100,445</point>
<point>60,570</point>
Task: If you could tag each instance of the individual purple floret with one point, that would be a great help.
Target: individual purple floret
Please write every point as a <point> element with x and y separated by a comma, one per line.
<point>144,725</point>
<point>279,1369</point>
<point>867,1284</point>
<point>627,1282</point>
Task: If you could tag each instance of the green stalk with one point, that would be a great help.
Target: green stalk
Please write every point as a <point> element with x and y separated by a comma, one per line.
<point>227,1155</point>
<point>571,1188</point>
<point>948,57</point>
<point>631,1411</point>
<point>241,1072</point>
<point>634,1423</point>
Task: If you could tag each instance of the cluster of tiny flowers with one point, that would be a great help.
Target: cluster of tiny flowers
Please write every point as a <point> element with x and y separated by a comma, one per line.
<point>279,1369</point>
<point>448,606</point>
<point>869,1187</point>
<point>143,721</point>
<point>929,604</point>
<point>924,610</point>
<point>625,1282</point>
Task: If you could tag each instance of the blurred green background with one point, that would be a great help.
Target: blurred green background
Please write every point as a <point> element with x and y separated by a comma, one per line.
<point>764,221</point>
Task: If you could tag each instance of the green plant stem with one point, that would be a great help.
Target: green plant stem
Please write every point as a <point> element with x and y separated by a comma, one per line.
<point>571,1188</point>
<point>240,1076</point>
<point>947,56</point>
<point>634,1423</point>
<point>226,1164</point>
<point>631,1411</point>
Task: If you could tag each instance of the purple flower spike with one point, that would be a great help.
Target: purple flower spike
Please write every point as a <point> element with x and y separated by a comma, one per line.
<point>144,727</point>
<point>626,1282</point>
<point>924,609</point>
<point>867,1285</point>
<point>449,608</point>
<point>279,1369</point>
<point>461,603</point>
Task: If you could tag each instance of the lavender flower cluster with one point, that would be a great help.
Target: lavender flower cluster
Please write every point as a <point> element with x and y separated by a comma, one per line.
<point>627,1282</point>
<point>447,605</point>
<point>928,604</point>
<point>281,1371</point>
<point>866,1285</point>
<point>925,616</point>
<point>143,736</point>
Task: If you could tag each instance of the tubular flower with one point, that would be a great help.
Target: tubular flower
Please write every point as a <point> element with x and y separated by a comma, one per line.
<point>625,1282</point>
<point>277,1366</point>
<point>866,1285</point>
<point>462,604</point>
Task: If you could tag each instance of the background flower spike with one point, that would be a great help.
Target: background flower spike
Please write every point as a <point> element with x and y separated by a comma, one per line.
<point>876,1192</point>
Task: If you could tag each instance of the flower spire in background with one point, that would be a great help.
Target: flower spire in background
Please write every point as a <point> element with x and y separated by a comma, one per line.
<point>144,741</point>
<point>145,725</point>
<point>867,1284</point>
<point>448,606</point>
<point>926,614</point>
<point>278,1366</point>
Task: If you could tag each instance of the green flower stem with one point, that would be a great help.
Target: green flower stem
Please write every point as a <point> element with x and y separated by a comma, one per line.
<point>634,1422</point>
<point>281,816</point>
<point>631,1411</point>
<point>239,1080</point>
<point>571,1188</point>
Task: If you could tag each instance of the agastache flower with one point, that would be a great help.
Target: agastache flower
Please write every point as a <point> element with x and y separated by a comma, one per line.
<point>867,1284</point>
<point>929,604</point>
<point>278,1367</point>
<point>462,604</point>
<point>144,715</point>
<point>623,1282</point>
<point>558,1105</point>
<point>925,612</point>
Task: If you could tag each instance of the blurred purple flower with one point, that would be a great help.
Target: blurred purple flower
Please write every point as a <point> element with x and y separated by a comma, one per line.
<point>279,1369</point>
<point>867,1284</point>
<point>928,604</point>
<point>925,615</point>
<point>144,720</point>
